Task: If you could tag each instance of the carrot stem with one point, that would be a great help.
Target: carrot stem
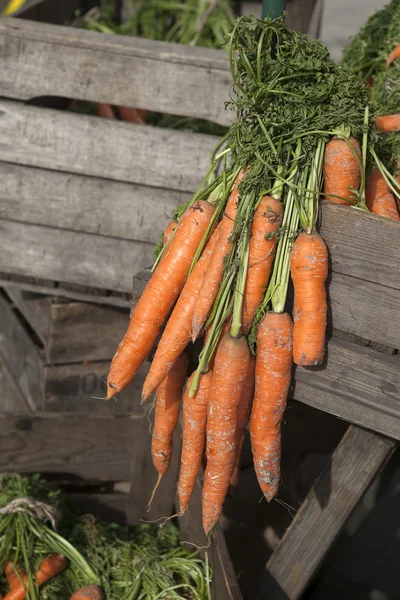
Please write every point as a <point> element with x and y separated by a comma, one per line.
<point>364,149</point>
<point>388,177</point>
<point>243,266</point>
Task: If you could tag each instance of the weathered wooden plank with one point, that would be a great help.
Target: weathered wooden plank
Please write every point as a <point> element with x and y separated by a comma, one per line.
<point>356,461</point>
<point>12,400</point>
<point>36,310</point>
<point>69,256</point>
<point>365,309</point>
<point>50,288</point>
<point>356,384</point>
<point>353,239</point>
<point>21,356</point>
<point>82,332</point>
<point>92,448</point>
<point>88,204</point>
<point>107,148</point>
<point>80,388</point>
<point>36,60</point>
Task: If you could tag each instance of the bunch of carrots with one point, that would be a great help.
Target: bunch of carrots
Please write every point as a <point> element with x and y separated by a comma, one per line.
<point>303,131</point>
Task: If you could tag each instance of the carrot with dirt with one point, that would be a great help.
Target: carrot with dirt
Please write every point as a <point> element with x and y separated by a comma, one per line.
<point>342,172</point>
<point>380,201</point>
<point>243,416</point>
<point>50,567</point>
<point>262,247</point>
<point>388,123</point>
<point>159,296</point>
<point>213,275</point>
<point>131,115</point>
<point>90,592</point>
<point>167,407</point>
<point>194,437</point>
<point>229,376</point>
<point>177,332</point>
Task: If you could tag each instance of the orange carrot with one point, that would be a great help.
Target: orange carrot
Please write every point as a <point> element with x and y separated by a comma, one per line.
<point>393,55</point>
<point>379,199</point>
<point>169,230</point>
<point>51,566</point>
<point>213,275</point>
<point>388,123</point>
<point>130,114</point>
<point>243,416</point>
<point>105,110</point>
<point>194,437</point>
<point>342,172</point>
<point>168,402</point>
<point>90,592</point>
<point>273,375</point>
<point>11,575</point>
<point>309,270</point>
<point>177,332</point>
<point>262,247</point>
<point>158,297</point>
<point>224,330</point>
<point>229,376</point>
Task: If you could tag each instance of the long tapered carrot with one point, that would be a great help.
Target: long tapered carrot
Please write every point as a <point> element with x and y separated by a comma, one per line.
<point>158,297</point>
<point>169,230</point>
<point>194,437</point>
<point>229,376</point>
<point>90,592</point>
<point>177,332</point>
<point>273,375</point>
<point>342,172</point>
<point>388,123</point>
<point>214,272</point>
<point>130,114</point>
<point>168,402</point>
<point>262,247</point>
<point>393,55</point>
<point>309,270</point>
<point>50,567</point>
<point>379,199</point>
<point>105,110</point>
<point>243,416</point>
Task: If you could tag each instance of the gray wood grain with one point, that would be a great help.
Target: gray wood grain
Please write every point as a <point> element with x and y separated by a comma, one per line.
<point>71,257</point>
<point>107,148</point>
<point>100,448</point>
<point>87,204</point>
<point>83,332</point>
<point>36,61</point>
<point>21,357</point>
<point>80,389</point>
<point>36,310</point>
<point>356,384</point>
<point>362,245</point>
<point>356,461</point>
<point>12,400</point>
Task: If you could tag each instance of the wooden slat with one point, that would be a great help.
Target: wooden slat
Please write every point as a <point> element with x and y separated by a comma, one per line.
<point>64,141</point>
<point>365,309</point>
<point>36,60</point>
<point>69,256</point>
<point>362,245</point>
<point>80,389</point>
<point>356,384</point>
<point>82,332</point>
<point>12,400</point>
<point>51,288</point>
<point>92,448</point>
<point>21,356</point>
<point>36,310</point>
<point>356,461</point>
<point>86,204</point>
